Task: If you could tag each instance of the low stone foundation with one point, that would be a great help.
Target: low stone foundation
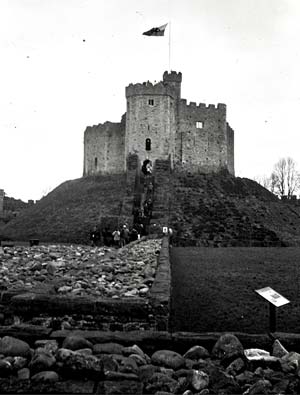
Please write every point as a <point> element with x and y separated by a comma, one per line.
<point>34,360</point>
<point>151,340</point>
<point>84,312</point>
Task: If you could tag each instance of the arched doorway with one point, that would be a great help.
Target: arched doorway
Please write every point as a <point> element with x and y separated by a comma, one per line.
<point>147,167</point>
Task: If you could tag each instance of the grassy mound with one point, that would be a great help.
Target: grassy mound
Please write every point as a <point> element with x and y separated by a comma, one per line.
<point>219,210</point>
<point>68,213</point>
<point>211,210</point>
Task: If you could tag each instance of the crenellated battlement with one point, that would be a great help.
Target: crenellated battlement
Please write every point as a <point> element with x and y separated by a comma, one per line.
<point>100,126</point>
<point>158,125</point>
<point>147,88</point>
<point>210,107</point>
<point>173,76</point>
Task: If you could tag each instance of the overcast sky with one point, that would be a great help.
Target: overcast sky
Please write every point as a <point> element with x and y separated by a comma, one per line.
<point>65,65</point>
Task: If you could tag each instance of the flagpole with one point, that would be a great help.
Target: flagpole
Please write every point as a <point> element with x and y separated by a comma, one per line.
<point>169,46</point>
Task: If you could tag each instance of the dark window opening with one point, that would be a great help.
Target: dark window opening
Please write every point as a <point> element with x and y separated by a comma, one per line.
<point>151,102</point>
<point>148,144</point>
<point>96,162</point>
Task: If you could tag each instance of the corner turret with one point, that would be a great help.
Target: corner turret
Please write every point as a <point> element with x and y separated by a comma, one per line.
<point>173,79</point>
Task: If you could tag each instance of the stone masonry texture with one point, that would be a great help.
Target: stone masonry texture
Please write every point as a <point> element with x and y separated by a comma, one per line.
<point>159,124</point>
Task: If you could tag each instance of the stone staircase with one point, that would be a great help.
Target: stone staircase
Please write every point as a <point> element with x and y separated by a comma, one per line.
<point>133,190</point>
<point>162,192</point>
<point>136,207</point>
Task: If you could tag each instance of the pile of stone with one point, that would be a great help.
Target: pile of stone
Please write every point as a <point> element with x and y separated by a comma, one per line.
<point>78,365</point>
<point>81,270</point>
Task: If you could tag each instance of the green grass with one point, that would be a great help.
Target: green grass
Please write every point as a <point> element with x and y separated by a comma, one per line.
<point>214,289</point>
<point>69,212</point>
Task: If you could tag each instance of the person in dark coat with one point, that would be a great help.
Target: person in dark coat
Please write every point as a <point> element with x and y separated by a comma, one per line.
<point>125,237</point>
<point>107,237</point>
<point>133,234</point>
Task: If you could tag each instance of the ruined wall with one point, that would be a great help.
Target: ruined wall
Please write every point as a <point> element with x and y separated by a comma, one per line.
<point>150,115</point>
<point>204,146</point>
<point>104,148</point>
<point>230,149</point>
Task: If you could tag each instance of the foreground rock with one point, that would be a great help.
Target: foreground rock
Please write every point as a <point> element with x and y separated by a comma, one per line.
<point>10,346</point>
<point>113,368</point>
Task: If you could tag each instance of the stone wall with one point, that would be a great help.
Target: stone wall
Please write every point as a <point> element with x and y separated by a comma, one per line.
<point>160,293</point>
<point>104,149</point>
<point>230,149</point>
<point>150,115</point>
<point>204,147</point>
<point>158,124</point>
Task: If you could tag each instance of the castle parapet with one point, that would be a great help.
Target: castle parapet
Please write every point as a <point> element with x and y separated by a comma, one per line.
<point>147,88</point>
<point>101,126</point>
<point>220,108</point>
<point>173,76</point>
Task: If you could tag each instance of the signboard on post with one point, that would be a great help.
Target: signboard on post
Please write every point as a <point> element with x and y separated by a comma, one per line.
<point>275,300</point>
<point>272,296</point>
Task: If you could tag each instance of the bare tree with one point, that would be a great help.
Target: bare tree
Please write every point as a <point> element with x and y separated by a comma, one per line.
<point>273,182</point>
<point>285,177</point>
<point>292,177</point>
<point>280,174</point>
<point>263,181</point>
<point>284,180</point>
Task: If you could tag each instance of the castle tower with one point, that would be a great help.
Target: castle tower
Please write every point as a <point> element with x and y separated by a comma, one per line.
<point>151,118</point>
<point>173,79</point>
<point>159,124</point>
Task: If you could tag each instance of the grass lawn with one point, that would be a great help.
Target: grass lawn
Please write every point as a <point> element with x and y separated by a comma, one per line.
<point>213,289</point>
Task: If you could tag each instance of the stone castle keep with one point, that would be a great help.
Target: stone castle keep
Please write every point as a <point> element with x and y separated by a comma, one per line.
<point>159,124</point>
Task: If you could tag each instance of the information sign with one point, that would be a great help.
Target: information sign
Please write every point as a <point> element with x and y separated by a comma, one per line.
<point>272,296</point>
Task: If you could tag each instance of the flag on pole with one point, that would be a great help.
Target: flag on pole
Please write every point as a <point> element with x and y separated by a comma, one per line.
<point>156,31</point>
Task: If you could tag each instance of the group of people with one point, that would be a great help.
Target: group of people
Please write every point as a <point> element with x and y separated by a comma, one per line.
<point>142,214</point>
<point>117,238</point>
<point>121,236</point>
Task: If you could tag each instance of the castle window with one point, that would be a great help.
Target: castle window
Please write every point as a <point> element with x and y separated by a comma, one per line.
<point>151,102</point>
<point>96,162</point>
<point>148,144</point>
<point>199,125</point>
